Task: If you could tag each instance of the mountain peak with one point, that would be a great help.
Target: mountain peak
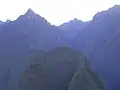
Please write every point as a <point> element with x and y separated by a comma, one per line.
<point>30,12</point>
<point>31,16</point>
<point>75,19</point>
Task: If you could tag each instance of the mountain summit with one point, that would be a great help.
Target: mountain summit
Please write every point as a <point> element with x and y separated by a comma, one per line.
<point>31,17</point>
<point>30,12</point>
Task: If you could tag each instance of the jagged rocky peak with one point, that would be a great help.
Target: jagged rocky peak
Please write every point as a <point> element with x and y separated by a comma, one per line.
<point>30,15</point>
<point>30,12</point>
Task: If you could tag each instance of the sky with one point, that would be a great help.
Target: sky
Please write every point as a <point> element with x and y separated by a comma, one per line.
<point>55,11</point>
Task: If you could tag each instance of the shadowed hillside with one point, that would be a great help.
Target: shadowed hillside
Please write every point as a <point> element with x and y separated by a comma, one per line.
<point>60,69</point>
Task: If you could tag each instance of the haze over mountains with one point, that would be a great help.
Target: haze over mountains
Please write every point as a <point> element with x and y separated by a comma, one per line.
<point>31,35</point>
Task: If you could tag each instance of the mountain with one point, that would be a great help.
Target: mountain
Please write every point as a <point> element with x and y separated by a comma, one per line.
<point>99,40</point>
<point>60,68</point>
<point>20,40</point>
<point>31,34</point>
<point>73,24</point>
<point>72,27</point>
<point>4,23</point>
<point>1,23</point>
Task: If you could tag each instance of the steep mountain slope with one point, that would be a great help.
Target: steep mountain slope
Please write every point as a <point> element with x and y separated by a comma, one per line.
<point>61,68</point>
<point>99,40</point>
<point>22,39</point>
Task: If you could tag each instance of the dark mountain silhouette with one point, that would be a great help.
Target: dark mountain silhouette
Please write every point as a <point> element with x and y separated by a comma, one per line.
<point>22,39</point>
<point>99,40</point>
<point>61,68</point>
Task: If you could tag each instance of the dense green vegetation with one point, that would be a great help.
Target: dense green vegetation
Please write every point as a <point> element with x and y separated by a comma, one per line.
<point>60,69</point>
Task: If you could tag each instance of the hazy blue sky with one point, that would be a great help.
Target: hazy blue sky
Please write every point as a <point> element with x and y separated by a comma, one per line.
<point>55,11</point>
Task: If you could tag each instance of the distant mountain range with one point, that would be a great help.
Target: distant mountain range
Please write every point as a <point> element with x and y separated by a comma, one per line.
<point>31,34</point>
